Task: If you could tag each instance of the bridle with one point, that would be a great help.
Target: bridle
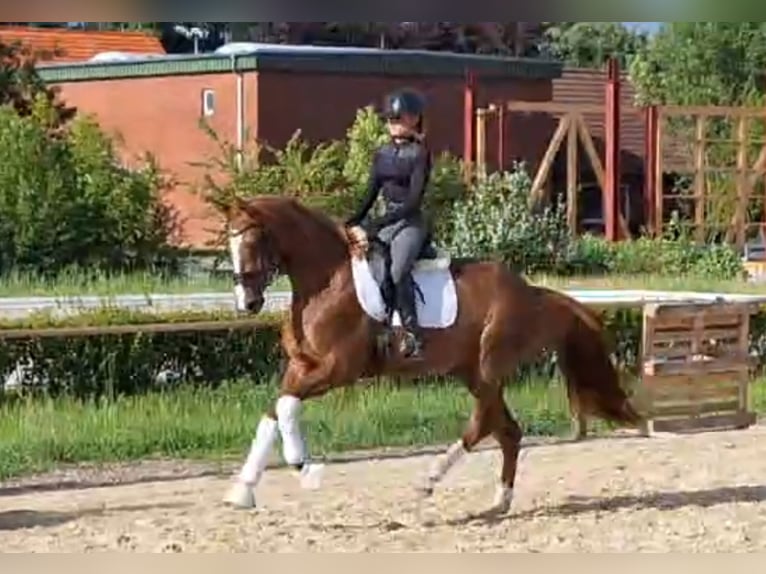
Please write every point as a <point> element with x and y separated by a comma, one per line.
<point>273,265</point>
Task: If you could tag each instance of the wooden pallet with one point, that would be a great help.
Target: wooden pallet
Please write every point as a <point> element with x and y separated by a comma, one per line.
<point>696,366</point>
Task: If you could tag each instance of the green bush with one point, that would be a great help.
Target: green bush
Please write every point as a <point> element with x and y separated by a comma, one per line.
<point>654,256</point>
<point>66,200</point>
<point>366,134</point>
<point>490,219</point>
<point>109,365</point>
<point>88,366</point>
<point>331,176</point>
<point>493,220</point>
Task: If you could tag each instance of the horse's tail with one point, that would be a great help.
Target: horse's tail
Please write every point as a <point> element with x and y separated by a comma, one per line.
<point>593,382</point>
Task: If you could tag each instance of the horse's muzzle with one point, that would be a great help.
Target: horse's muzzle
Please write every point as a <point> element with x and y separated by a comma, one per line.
<point>254,305</point>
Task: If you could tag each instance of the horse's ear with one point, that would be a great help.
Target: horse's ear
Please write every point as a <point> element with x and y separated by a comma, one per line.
<point>236,206</point>
<point>240,204</point>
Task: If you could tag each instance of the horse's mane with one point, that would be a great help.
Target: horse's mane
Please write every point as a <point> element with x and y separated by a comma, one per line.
<point>293,221</point>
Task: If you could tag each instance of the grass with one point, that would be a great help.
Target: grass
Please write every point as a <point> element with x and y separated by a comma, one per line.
<point>78,283</point>
<point>215,424</point>
<point>36,435</point>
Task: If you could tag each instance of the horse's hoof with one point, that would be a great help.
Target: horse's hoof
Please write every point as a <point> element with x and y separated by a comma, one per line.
<point>424,490</point>
<point>503,501</point>
<point>311,476</point>
<point>241,496</point>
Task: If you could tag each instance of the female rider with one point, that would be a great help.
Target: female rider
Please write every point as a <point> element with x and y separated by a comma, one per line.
<point>400,171</point>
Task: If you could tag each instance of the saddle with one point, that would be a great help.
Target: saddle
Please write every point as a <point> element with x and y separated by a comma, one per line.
<point>379,260</point>
<point>435,288</point>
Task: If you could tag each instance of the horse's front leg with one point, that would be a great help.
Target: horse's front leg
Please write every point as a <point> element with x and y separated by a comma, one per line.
<point>299,382</point>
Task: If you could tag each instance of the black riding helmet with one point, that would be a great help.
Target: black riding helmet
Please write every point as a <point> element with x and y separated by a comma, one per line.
<point>402,102</point>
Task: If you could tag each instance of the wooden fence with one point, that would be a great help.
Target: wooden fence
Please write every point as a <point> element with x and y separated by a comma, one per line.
<point>696,366</point>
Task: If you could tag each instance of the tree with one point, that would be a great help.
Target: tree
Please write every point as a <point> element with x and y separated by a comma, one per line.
<point>702,63</point>
<point>590,44</point>
<point>22,87</point>
<point>473,37</point>
<point>708,64</point>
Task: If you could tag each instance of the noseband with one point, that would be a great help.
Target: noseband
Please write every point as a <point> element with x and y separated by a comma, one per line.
<point>273,264</point>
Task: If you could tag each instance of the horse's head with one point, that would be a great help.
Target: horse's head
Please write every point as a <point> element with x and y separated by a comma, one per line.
<point>254,256</point>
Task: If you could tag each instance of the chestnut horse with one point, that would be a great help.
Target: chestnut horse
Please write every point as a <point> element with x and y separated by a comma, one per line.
<point>330,341</point>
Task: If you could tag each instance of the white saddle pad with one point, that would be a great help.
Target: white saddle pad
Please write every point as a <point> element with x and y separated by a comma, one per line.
<point>436,284</point>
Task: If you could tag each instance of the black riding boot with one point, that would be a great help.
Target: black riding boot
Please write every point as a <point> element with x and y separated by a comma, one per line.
<point>412,345</point>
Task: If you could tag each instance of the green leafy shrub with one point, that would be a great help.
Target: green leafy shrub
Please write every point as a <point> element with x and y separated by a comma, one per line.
<point>81,365</point>
<point>446,189</point>
<point>332,176</point>
<point>67,200</point>
<point>655,256</point>
<point>493,220</point>
<point>310,173</point>
<point>366,134</point>
<point>22,87</point>
<point>126,363</point>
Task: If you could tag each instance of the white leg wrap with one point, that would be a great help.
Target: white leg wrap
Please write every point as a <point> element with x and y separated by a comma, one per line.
<point>445,462</point>
<point>311,476</point>
<point>288,417</point>
<point>235,246</point>
<point>259,451</point>
<point>241,494</point>
<point>503,499</point>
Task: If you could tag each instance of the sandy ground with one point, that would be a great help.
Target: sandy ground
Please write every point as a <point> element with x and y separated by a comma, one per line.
<point>695,493</point>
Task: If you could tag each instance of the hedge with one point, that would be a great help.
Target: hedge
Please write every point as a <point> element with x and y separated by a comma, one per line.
<point>124,364</point>
<point>133,363</point>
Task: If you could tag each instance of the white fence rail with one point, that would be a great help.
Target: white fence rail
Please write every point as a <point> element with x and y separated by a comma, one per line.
<point>275,301</point>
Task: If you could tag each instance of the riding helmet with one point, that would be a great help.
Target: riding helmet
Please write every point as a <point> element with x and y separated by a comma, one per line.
<point>405,101</point>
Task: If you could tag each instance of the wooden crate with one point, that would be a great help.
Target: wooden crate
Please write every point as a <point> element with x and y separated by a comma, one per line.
<point>696,366</point>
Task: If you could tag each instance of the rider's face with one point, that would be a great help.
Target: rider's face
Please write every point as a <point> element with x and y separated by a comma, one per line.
<point>402,126</point>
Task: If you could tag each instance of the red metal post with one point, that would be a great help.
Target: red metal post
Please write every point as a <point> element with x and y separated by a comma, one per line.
<point>612,129</point>
<point>501,136</point>
<point>650,168</point>
<point>469,122</point>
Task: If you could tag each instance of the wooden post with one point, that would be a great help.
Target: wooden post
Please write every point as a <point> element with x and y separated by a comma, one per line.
<point>573,171</point>
<point>469,110</point>
<point>537,193</point>
<point>501,137</point>
<point>612,209</point>
<point>659,169</point>
<point>700,179</point>
<point>650,168</point>
<point>743,192</point>
<point>480,166</point>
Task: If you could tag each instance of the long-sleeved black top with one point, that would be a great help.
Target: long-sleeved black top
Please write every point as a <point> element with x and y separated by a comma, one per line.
<point>400,171</point>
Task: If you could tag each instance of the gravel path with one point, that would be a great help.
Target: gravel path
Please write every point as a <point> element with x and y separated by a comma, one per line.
<point>693,494</point>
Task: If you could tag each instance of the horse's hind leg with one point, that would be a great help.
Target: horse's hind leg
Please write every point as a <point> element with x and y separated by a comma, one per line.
<point>508,434</point>
<point>490,416</point>
<point>479,427</point>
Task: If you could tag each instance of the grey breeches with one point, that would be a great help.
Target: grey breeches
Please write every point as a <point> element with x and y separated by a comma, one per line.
<point>405,240</point>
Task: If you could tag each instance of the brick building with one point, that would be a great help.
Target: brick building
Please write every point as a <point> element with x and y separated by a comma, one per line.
<point>156,104</point>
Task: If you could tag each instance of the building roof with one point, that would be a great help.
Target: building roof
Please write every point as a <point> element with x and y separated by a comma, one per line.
<point>305,59</point>
<point>64,45</point>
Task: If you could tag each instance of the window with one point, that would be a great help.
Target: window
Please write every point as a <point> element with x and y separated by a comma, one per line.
<point>208,103</point>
